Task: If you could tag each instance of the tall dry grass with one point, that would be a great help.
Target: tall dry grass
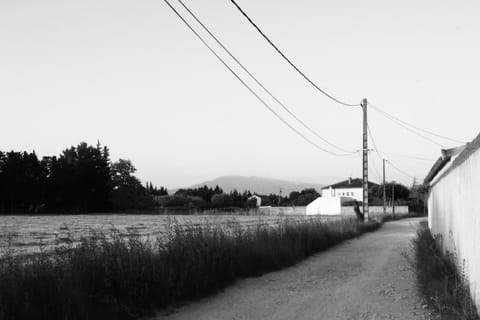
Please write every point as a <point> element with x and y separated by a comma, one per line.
<point>443,284</point>
<point>115,277</point>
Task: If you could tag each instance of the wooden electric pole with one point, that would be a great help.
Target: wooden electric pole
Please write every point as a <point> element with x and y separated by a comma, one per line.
<point>365,161</point>
<point>384,191</point>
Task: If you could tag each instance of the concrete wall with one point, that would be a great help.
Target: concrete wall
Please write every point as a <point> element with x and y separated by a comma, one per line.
<point>454,214</point>
<point>325,206</point>
<point>375,211</point>
<point>278,211</point>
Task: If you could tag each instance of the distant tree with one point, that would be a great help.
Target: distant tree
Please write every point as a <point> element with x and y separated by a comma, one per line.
<point>79,180</point>
<point>401,192</point>
<point>221,200</point>
<point>176,201</point>
<point>161,192</point>
<point>304,197</point>
<point>128,192</point>
<point>21,182</point>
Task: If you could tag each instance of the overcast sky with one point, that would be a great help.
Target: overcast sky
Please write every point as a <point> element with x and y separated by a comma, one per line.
<point>130,74</point>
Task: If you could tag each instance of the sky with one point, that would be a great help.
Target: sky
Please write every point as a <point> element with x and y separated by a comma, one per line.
<point>131,75</point>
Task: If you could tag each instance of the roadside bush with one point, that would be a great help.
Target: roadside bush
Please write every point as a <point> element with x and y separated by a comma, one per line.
<point>443,285</point>
<point>115,277</point>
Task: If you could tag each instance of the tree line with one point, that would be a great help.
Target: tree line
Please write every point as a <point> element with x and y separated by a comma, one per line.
<point>208,198</point>
<point>81,179</point>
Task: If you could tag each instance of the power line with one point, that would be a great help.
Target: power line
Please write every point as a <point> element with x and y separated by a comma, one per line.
<point>373,142</point>
<point>258,81</point>
<point>418,128</point>
<point>394,154</point>
<point>409,157</point>
<point>388,161</point>
<point>393,119</point>
<point>384,113</point>
<point>399,170</point>
<point>248,87</point>
<point>289,61</point>
<point>375,168</point>
<point>377,151</point>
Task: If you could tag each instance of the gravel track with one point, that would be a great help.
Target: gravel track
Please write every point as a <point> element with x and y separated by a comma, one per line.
<point>364,278</point>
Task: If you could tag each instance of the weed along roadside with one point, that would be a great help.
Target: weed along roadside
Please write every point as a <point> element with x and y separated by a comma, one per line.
<point>112,277</point>
<point>443,286</point>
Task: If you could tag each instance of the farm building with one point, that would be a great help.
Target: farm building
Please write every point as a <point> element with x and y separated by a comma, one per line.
<point>454,208</point>
<point>348,188</point>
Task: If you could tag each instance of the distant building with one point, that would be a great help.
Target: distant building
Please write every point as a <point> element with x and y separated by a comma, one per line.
<point>257,199</point>
<point>336,195</point>
<point>330,206</point>
<point>352,188</point>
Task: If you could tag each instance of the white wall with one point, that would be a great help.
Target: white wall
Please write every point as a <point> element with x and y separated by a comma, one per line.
<point>325,206</point>
<point>454,214</point>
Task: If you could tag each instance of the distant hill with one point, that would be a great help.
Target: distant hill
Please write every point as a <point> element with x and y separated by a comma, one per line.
<point>258,185</point>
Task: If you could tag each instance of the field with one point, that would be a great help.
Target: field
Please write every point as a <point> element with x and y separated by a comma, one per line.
<point>28,234</point>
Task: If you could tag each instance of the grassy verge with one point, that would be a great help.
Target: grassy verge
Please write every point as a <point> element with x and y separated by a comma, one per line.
<point>442,284</point>
<point>113,277</point>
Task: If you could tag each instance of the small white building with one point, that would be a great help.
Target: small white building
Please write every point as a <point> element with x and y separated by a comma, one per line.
<point>257,199</point>
<point>330,206</point>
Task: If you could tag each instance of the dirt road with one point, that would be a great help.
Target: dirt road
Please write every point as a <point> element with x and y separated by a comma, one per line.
<point>364,278</point>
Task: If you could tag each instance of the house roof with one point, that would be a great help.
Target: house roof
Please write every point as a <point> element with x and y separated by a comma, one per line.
<point>465,152</point>
<point>350,184</point>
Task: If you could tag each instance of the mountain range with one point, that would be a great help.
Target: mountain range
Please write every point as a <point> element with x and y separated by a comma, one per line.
<point>257,185</point>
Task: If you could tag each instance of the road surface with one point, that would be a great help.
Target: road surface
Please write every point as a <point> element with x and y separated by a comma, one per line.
<point>360,279</point>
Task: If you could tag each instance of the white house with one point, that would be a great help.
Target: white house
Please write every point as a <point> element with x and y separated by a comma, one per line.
<point>336,195</point>
<point>352,188</point>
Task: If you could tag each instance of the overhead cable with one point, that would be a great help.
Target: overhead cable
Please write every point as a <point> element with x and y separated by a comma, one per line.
<point>415,127</point>
<point>258,81</point>
<point>373,142</point>
<point>409,157</point>
<point>380,156</point>
<point>249,88</point>
<point>405,126</point>
<point>375,168</point>
<point>400,170</point>
<point>289,61</point>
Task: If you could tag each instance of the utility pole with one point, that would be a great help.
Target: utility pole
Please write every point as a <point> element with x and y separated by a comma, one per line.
<point>384,191</point>
<point>365,161</point>
<point>393,199</point>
